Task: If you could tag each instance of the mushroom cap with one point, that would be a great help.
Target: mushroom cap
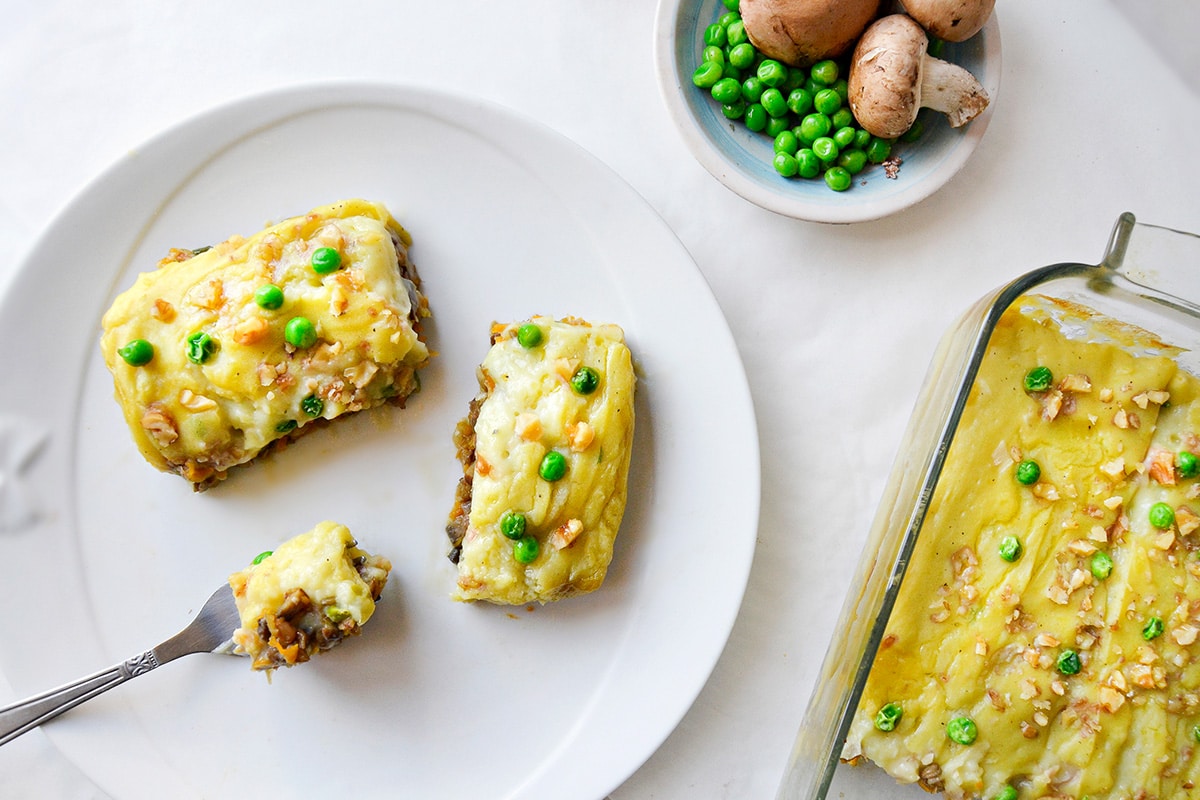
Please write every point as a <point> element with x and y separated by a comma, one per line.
<point>802,32</point>
<point>884,85</point>
<point>952,20</point>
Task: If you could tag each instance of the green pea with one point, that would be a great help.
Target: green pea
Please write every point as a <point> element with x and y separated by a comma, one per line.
<point>807,163</point>
<point>735,33</point>
<point>772,73</point>
<point>731,16</point>
<point>1152,629</point>
<point>935,46</point>
<point>862,139</point>
<point>730,71</point>
<point>137,353</point>
<point>827,101</point>
<point>814,126</point>
<point>799,102</point>
<point>526,549</point>
<point>1038,379</point>
<point>1011,548</point>
<point>842,118</point>
<point>878,150</point>
<point>312,405</point>
<point>715,55</point>
<point>1162,516</point>
<point>825,72</point>
<point>1028,472</point>
<point>826,149</point>
<point>287,426</point>
<point>844,136</point>
<point>776,125</point>
<point>732,5</point>
<point>336,614</point>
<point>915,131</point>
<point>1007,793</point>
<point>853,161</point>
<point>512,525</point>
<point>268,296</point>
<point>200,347</point>
<point>326,260</point>
<point>756,117</point>
<point>772,100</point>
<point>888,716</point>
<point>742,55</point>
<point>529,335</point>
<point>838,179</point>
<point>726,91</point>
<point>707,74</point>
<point>752,89</point>
<point>1101,565</point>
<point>734,110</point>
<point>261,557</point>
<point>300,332</point>
<point>1068,662</point>
<point>795,80</point>
<point>553,466</point>
<point>787,142</point>
<point>1187,463</point>
<point>843,89</point>
<point>962,730</point>
<point>812,87</point>
<point>785,164</point>
<point>1196,733</point>
<point>585,380</point>
<point>714,35</point>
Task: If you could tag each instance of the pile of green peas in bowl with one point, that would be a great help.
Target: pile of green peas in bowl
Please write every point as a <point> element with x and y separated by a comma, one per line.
<point>805,112</point>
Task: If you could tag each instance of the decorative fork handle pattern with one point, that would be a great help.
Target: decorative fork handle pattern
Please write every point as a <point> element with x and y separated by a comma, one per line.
<point>22,717</point>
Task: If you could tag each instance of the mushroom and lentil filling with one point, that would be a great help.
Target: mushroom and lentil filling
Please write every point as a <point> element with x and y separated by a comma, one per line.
<point>545,450</point>
<point>223,353</point>
<point>305,597</point>
<point>1044,638</point>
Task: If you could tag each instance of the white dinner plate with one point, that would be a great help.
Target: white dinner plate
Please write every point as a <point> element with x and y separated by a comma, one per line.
<point>101,556</point>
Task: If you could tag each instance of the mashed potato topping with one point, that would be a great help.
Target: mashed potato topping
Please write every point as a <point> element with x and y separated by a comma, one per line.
<point>1045,634</point>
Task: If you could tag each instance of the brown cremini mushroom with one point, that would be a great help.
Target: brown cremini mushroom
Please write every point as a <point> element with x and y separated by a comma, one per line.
<point>952,20</point>
<point>802,32</point>
<point>892,78</point>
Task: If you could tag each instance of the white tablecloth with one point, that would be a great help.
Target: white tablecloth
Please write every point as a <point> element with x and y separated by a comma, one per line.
<point>1097,114</point>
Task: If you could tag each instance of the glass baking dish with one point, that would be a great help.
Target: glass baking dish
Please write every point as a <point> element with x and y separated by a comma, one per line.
<point>1147,278</point>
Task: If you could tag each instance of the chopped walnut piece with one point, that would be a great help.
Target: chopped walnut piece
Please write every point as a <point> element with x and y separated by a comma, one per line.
<point>1110,699</point>
<point>528,426</point>
<point>159,423</point>
<point>195,402</point>
<point>1046,640</point>
<point>1058,594</point>
<point>1186,520</point>
<point>1081,547</point>
<point>997,700</point>
<point>1052,404</point>
<point>1028,731</point>
<point>250,331</point>
<point>1114,502</point>
<point>1076,383</point>
<point>1185,634</point>
<point>339,301</point>
<point>580,436</point>
<point>1098,534</point>
<point>1029,689</point>
<point>1114,468</point>
<point>210,295</point>
<point>1041,719</point>
<point>565,535</point>
<point>1161,466</point>
<point>1044,491</point>
<point>981,646</point>
<point>1058,687</point>
<point>162,311</point>
<point>1165,540</point>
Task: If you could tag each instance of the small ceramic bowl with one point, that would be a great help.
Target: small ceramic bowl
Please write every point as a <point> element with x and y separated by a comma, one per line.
<point>742,159</point>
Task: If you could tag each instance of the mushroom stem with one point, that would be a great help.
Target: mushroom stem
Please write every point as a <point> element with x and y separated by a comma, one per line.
<point>953,91</point>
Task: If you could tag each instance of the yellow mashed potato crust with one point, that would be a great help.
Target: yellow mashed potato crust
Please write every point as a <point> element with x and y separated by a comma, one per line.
<point>975,636</point>
<point>531,409</point>
<point>254,387</point>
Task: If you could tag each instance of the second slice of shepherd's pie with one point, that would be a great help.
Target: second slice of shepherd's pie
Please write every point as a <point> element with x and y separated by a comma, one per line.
<point>222,352</point>
<point>545,452</point>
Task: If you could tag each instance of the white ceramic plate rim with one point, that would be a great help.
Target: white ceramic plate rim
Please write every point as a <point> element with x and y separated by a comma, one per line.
<point>727,170</point>
<point>642,691</point>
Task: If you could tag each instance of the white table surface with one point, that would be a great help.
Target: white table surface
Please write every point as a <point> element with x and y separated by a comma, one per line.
<point>1098,113</point>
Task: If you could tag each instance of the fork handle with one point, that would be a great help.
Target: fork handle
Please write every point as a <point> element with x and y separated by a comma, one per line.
<point>26,715</point>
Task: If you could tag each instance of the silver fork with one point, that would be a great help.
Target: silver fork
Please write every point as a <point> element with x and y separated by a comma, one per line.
<point>209,632</point>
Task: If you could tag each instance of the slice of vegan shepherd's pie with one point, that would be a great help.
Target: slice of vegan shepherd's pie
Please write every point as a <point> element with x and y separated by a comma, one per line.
<point>307,596</point>
<point>545,450</point>
<point>223,352</point>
